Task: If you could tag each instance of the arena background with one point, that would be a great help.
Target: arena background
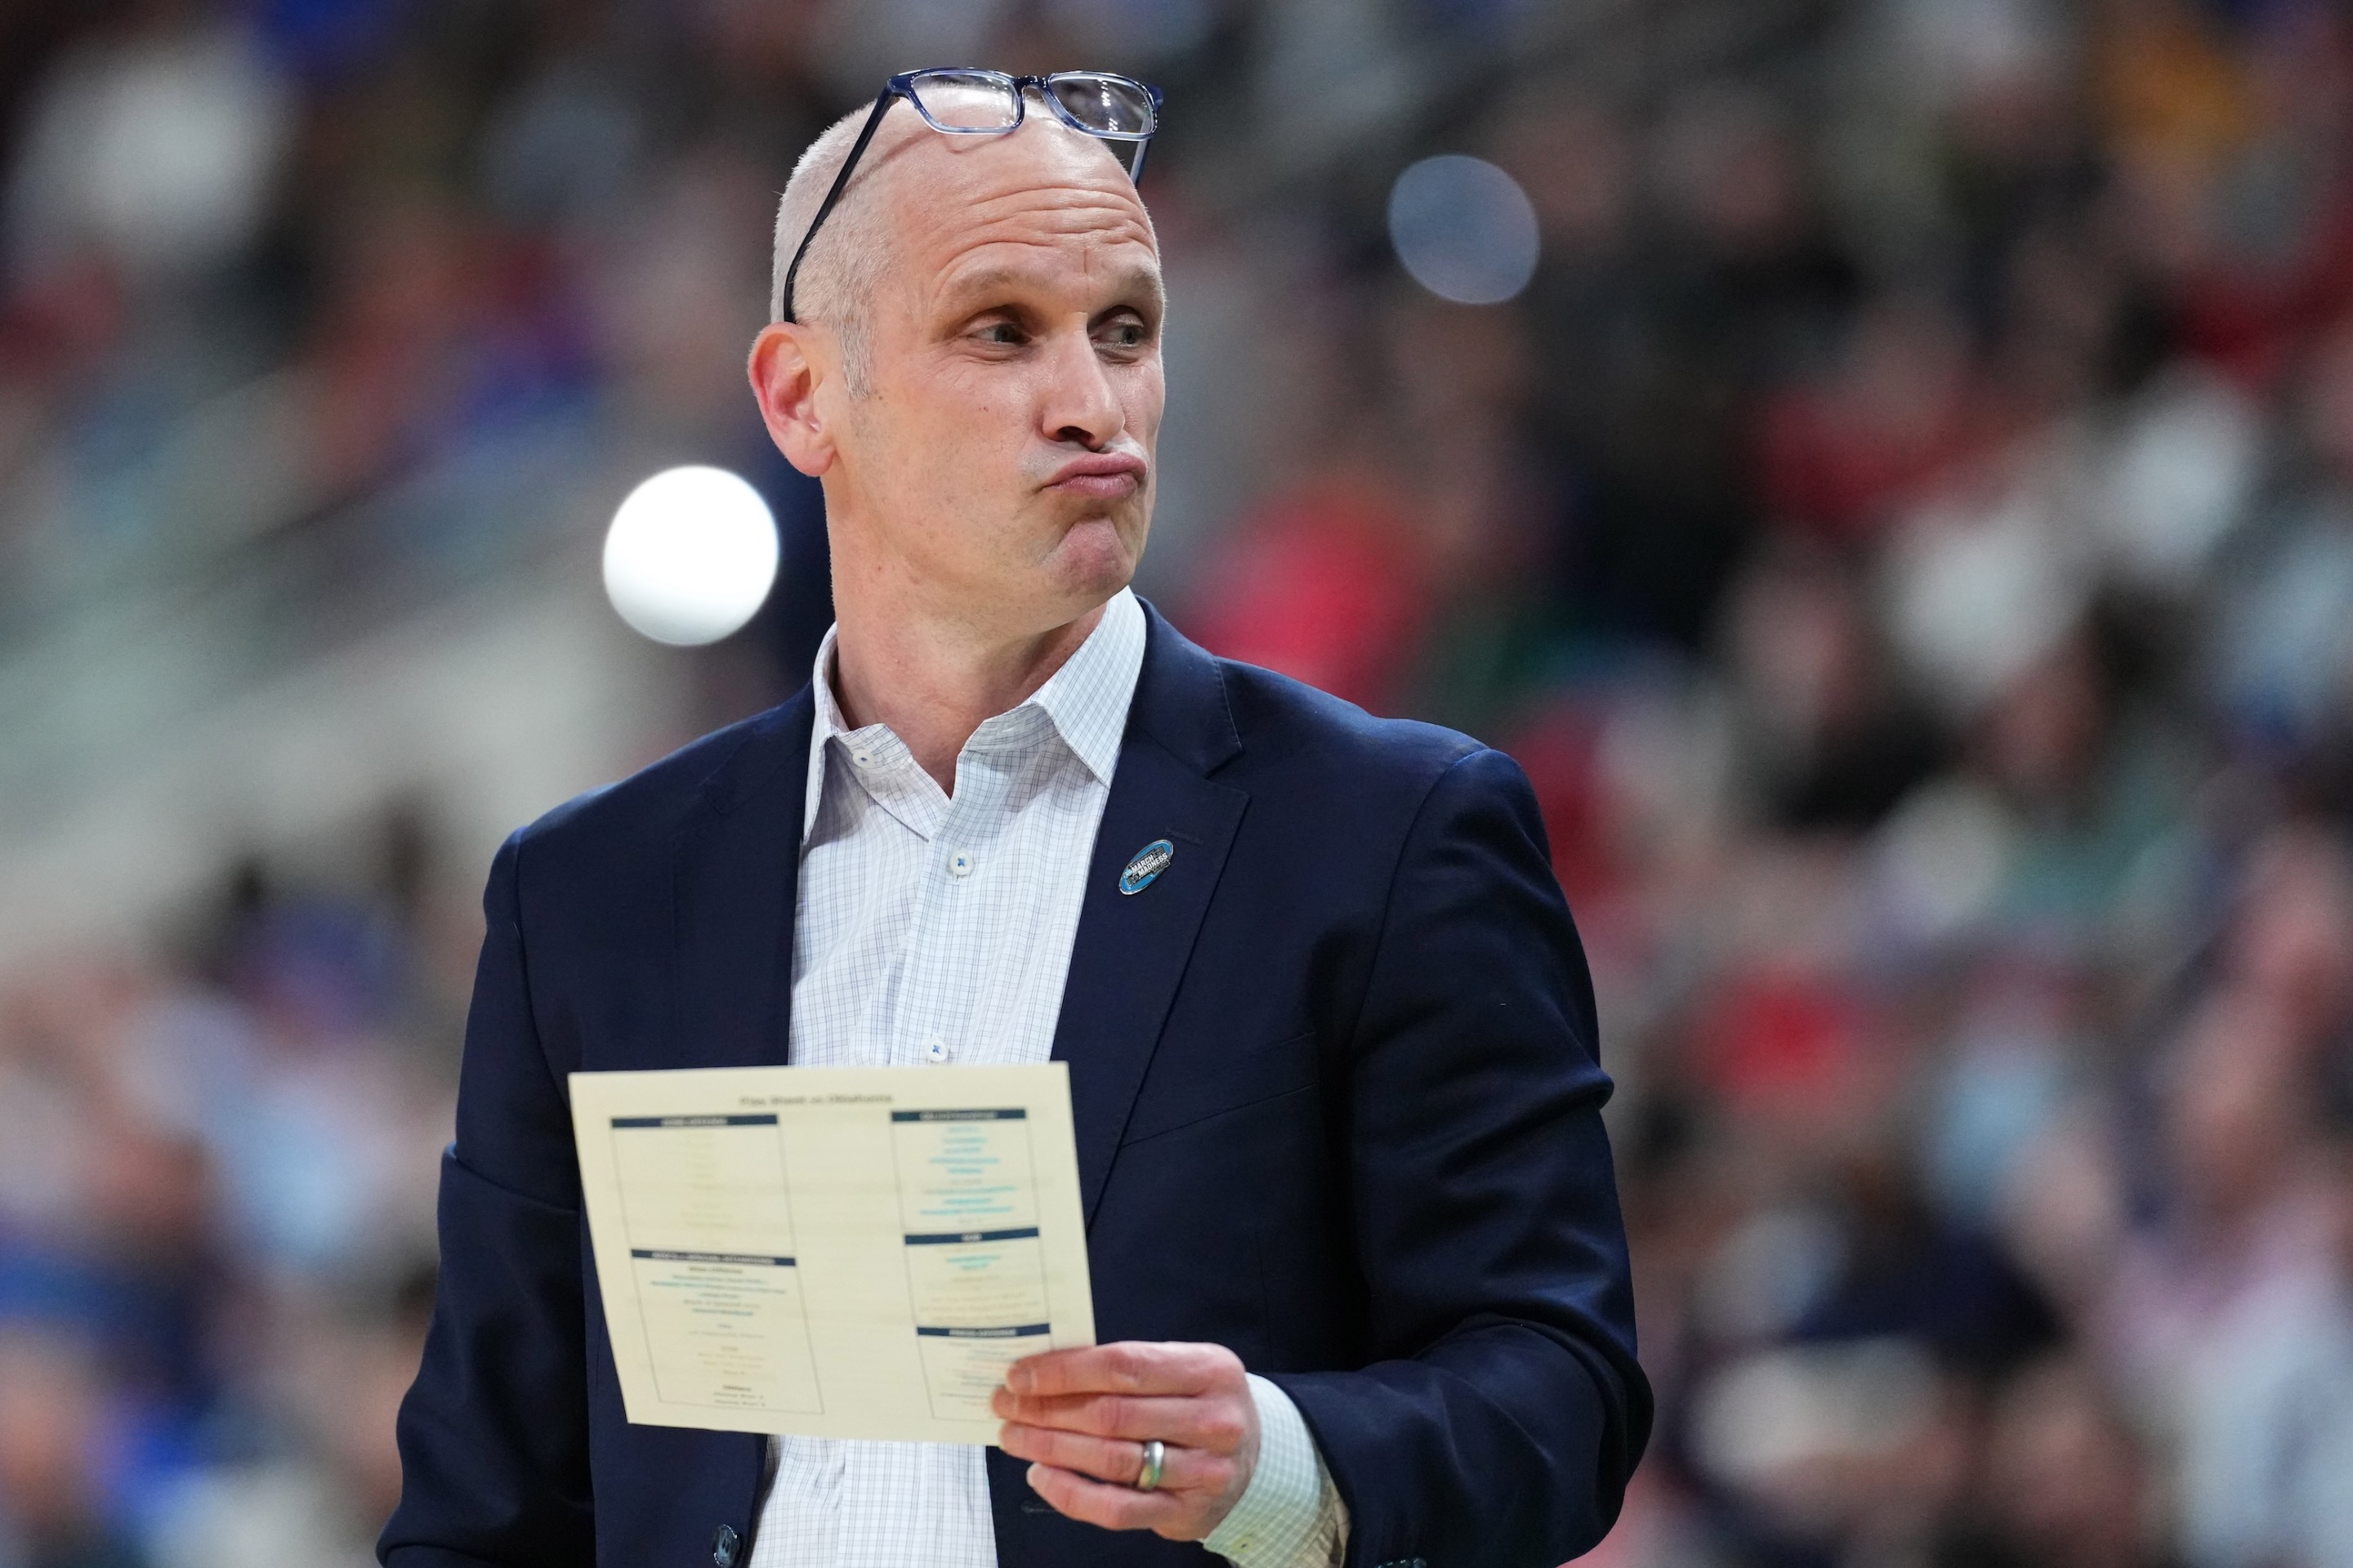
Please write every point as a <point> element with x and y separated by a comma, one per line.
<point>1903,526</point>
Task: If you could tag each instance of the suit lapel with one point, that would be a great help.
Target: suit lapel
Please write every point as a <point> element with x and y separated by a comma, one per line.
<point>737,877</point>
<point>1132,948</point>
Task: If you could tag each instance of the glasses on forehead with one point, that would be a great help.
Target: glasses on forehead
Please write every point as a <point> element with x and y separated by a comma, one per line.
<point>963,101</point>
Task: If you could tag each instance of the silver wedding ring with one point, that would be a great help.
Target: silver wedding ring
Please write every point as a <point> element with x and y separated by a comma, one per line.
<point>1148,1478</point>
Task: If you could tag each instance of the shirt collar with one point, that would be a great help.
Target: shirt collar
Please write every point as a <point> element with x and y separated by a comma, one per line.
<point>1089,696</point>
<point>1087,699</point>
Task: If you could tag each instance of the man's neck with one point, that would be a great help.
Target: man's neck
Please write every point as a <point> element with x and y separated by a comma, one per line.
<point>934,684</point>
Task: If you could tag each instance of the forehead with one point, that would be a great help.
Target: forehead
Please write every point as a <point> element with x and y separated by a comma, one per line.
<point>1042,199</point>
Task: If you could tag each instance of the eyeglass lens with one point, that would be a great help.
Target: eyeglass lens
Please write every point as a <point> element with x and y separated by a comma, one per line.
<point>1102,102</point>
<point>967,99</point>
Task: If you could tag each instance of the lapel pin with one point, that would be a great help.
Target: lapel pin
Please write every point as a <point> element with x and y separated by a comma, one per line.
<point>1149,863</point>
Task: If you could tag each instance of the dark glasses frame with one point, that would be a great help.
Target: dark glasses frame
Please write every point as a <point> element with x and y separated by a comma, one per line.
<point>904,84</point>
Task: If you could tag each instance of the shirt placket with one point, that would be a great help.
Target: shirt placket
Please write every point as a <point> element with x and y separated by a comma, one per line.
<point>965,884</point>
<point>896,785</point>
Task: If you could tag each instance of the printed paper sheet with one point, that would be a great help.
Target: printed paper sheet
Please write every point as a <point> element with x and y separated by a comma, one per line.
<point>832,1250</point>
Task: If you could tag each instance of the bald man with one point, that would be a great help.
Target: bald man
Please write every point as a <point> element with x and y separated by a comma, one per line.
<point>1356,1247</point>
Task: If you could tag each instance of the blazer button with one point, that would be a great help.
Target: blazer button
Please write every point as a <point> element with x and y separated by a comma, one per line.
<point>723,1545</point>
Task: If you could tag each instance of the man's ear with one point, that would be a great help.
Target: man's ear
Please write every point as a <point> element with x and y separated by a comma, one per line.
<point>787,370</point>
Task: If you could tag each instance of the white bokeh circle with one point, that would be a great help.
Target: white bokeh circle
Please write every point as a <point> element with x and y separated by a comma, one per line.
<point>690,555</point>
<point>1464,228</point>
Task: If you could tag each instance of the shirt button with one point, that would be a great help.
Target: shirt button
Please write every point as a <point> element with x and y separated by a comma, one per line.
<point>863,758</point>
<point>960,864</point>
<point>936,1050</point>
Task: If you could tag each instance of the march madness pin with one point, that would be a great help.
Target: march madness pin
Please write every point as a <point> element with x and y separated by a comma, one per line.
<point>1149,863</point>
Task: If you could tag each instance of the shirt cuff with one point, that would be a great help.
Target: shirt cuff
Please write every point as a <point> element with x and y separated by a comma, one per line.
<point>1291,1515</point>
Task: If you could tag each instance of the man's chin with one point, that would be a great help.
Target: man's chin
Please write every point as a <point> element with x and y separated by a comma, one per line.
<point>1098,555</point>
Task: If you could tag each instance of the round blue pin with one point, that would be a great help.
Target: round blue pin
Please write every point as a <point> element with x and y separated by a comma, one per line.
<point>1149,863</point>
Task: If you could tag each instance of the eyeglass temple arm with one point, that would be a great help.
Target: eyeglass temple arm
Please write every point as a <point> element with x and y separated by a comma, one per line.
<point>1135,171</point>
<point>833,194</point>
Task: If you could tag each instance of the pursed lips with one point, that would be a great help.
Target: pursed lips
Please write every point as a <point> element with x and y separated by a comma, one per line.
<point>1107,476</point>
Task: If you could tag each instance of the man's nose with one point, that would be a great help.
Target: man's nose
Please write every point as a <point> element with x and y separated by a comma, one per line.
<point>1081,403</point>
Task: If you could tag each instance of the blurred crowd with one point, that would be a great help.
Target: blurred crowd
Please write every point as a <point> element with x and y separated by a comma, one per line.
<point>1905,530</point>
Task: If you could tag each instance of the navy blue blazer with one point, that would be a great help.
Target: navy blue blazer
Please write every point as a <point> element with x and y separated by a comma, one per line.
<point>1338,1108</point>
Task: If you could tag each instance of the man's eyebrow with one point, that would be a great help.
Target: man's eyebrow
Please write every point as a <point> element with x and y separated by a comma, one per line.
<point>1127,283</point>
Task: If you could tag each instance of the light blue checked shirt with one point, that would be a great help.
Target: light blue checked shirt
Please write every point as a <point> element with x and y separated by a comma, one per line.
<point>937,930</point>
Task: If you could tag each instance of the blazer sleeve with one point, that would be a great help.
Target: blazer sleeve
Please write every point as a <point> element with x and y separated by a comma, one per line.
<point>1505,1413</point>
<point>494,1433</point>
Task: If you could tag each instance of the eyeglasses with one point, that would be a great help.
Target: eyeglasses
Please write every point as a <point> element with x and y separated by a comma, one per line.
<point>966,101</point>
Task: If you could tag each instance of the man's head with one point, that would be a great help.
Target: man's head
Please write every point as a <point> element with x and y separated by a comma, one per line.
<point>975,371</point>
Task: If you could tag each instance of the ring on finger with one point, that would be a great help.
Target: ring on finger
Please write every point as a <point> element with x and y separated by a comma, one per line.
<point>1148,1478</point>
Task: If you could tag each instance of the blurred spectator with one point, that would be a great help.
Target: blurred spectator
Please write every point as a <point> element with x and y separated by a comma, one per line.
<point>53,1421</point>
<point>2065,1481</point>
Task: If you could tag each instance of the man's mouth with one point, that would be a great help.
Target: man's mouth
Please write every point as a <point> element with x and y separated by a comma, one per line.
<point>1100,476</point>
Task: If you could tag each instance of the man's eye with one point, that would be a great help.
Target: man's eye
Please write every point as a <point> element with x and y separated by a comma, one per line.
<point>1007,333</point>
<point>1125,335</point>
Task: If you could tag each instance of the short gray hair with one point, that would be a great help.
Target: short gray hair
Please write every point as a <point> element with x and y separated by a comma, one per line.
<point>842,267</point>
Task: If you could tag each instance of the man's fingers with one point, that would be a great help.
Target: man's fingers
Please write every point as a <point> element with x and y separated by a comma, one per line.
<point>1129,1367</point>
<point>1108,1459</point>
<point>1215,1425</point>
<point>1115,1460</point>
<point>1079,1417</point>
<point>1115,1508</point>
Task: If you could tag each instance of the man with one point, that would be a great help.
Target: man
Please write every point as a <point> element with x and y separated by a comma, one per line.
<point>1330,1036</point>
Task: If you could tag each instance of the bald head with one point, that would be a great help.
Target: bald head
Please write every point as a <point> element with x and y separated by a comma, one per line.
<point>847,261</point>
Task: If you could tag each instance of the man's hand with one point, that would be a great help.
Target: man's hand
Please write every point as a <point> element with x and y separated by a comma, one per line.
<point>1082,1417</point>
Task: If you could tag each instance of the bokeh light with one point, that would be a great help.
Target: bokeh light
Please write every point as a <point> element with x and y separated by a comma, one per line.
<point>1464,228</point>
<point>690,556</point>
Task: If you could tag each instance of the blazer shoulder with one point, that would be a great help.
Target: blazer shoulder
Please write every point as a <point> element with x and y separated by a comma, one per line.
<point>647,808</point>
<point>1286,723</point>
